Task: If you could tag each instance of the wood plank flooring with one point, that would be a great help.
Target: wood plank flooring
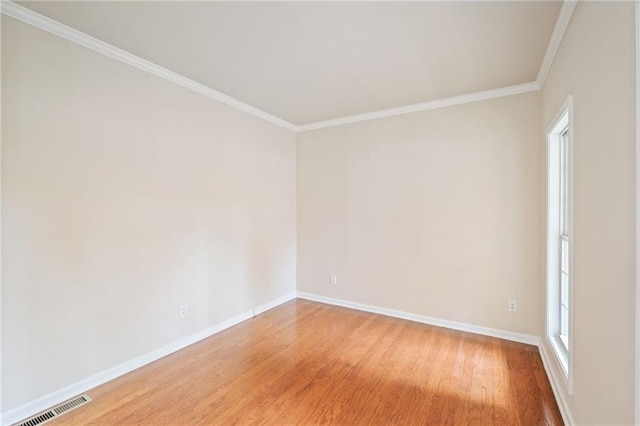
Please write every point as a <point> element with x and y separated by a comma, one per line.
<point>308,363</point>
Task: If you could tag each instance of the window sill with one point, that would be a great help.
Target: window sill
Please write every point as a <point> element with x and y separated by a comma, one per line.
<point>561,353</point>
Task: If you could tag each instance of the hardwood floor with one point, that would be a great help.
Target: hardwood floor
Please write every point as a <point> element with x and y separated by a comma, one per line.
<point>309,363</point>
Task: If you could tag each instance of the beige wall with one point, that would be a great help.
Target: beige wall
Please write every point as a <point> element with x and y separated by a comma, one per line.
<point>123,197</point>
<point>596,64</point>
<point>434,213</point>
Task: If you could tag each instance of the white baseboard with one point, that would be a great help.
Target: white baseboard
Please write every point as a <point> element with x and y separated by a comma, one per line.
<point>61,395</point>
<point>274,303</point>
<point>555,381</point>
<point>476,329</point>
<point>567,417</point>
<point>29,409</point>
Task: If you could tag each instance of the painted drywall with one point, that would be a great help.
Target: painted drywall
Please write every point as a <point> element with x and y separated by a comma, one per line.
<point>123,197</point>
<point>596,64</point>
<point>433,213</point>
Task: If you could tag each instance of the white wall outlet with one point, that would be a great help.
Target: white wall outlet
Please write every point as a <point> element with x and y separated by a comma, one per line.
<point>513,306</point>
<point>333,279</point>
<point>184,310</point>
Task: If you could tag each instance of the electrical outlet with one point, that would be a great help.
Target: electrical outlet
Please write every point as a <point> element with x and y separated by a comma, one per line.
<point>513,306</point>
<point>184,310</point>
<point>333,279</point>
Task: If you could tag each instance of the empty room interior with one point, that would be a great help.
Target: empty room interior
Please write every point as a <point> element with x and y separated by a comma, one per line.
<point>319,213</point>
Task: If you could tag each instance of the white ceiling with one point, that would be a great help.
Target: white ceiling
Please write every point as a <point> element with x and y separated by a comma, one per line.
<point>306,62</point>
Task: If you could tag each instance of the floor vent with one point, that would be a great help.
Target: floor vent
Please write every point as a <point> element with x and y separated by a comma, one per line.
<point>56,411</point>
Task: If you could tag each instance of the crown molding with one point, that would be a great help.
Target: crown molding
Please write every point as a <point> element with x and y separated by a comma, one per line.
<point>423,106</point>
<point>54,27</point>
<point>556,38</point>
<point>562,22</point>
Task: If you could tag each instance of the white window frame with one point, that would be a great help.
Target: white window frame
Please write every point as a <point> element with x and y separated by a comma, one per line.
<point>637,213</point>
<point>563,121</point>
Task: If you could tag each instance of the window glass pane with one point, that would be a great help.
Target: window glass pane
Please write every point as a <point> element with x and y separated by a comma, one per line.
<point>559,272</point>
<point>564,326</point>
<point>564,255</point>
<point>564,290</point>
<point>564,181</point>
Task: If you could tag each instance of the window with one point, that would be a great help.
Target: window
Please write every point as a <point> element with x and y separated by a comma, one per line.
<point>564,238</point>
<point>560,236</point>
